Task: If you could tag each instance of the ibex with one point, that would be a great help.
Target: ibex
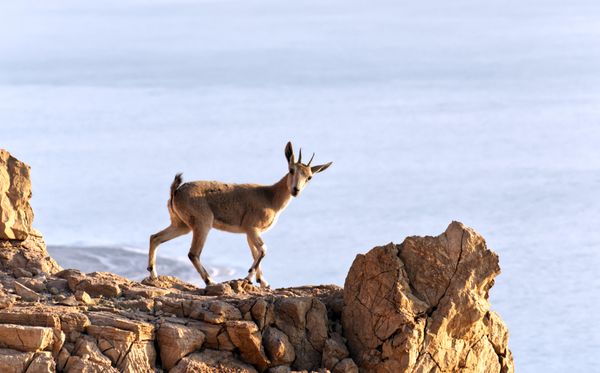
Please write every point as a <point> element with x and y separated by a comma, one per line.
<point>238,208</point>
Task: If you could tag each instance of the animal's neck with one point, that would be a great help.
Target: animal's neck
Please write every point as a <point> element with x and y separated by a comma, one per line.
<point>281,194</point>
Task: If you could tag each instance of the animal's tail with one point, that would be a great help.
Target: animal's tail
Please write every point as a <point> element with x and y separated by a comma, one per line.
<point>174,185</point>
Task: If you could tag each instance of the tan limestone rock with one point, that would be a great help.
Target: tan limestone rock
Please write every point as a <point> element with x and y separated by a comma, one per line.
<point>30,254</point>
<point>422,305</point>
<point>333,352</point>
<point>304,321</point>
<point>25,338</point>
<point>12,361</point>
<point>247,338</point>
<point>176,341</point>
<point>16,215</point>
<point>76,364</point>
<point>87,347</point>
<point>26,293</point>
<point>101,284</point>
<point>209,361</point>
<point>346,365</point>
<point>42,362</point>
<point>142,330</point>
<point>278,348</point>
<point>215,312</point>
<point>84,298</point>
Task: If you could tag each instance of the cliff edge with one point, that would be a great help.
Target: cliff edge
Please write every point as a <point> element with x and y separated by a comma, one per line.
<point>420,306</point>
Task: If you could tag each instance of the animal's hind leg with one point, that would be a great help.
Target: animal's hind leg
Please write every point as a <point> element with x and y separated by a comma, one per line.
<point>200,233</point>
<point>259,250</point>
<point>254,252</point>
<point>176,229</point>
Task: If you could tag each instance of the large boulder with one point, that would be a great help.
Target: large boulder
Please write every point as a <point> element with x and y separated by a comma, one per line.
<point>22,247</point>
<point>16,215</point>
<point>423,306</point>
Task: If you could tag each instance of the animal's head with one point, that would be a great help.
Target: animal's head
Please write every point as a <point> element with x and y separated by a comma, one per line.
<point>299,173</point>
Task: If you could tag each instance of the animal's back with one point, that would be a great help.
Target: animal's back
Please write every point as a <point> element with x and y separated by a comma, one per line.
<point>229,203</point>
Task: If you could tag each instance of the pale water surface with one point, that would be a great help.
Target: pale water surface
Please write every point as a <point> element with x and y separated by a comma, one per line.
<point>483,112</point>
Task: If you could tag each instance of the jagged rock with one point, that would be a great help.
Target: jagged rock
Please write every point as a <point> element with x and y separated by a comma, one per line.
<point>59,284</point>
<point>16,215</point>
<point>42,362</point>
<point>98,284</point>
<point>212,361</point>
<point>38,315</point>
<point>280,369</point>
<point>128,343</point>
<point>76,364</point>
<point>61,359</point>
<point>86,346</point>
<point>30,254</point>
<point>333,352</point>
<point>216,312</point>
<point>262,313</point>
<point>26,293</point>
<point>219,289</point>
<point>36,284</point>
<point>84,298</point>
<point>12,361</point>
<point>176,341</point>
<point>246,337</point>
<point>304,321</point>
<point>421,305</point>
<point>25,338</point>
<point>143,331</point>
<point>21,246</point>
<point>66,300</point>
<point>21,273</point>
<point>73,324</point>
<point>137,292</point>
<point>6,301</point>
<point>170,284</point>
<point>144,305</point>
<point>347,365</point>
<point>278,347</point>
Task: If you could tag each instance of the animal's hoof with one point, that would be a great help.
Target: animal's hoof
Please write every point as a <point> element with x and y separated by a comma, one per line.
<point>263,283</point>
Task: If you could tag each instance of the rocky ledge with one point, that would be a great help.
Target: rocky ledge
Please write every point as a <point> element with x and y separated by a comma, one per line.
<point>420,306</point>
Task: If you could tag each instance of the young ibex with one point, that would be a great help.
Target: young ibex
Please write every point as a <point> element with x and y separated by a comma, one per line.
<point>238,208</point>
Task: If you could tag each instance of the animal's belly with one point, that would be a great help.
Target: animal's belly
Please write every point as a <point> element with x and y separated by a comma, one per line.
<point>227,227</point>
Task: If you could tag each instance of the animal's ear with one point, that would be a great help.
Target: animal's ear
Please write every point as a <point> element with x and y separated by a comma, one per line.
<point>289,153</point>
<point>320,168</point>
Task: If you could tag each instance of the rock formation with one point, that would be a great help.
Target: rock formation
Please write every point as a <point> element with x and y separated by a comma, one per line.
<point>423,306</point>
<point>420,306</point>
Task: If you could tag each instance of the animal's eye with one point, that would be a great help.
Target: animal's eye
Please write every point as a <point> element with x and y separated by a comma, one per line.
<point>310,177</point>
<point>291,171</point>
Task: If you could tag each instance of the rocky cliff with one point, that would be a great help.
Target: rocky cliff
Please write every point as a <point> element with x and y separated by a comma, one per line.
<point>421,306</point>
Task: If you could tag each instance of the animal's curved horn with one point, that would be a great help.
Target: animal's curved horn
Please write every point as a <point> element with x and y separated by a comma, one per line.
<point>311,158</point>
<point>300,156</point>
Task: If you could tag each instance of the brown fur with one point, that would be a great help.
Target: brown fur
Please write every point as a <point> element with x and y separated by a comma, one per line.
<point>252,209</point>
